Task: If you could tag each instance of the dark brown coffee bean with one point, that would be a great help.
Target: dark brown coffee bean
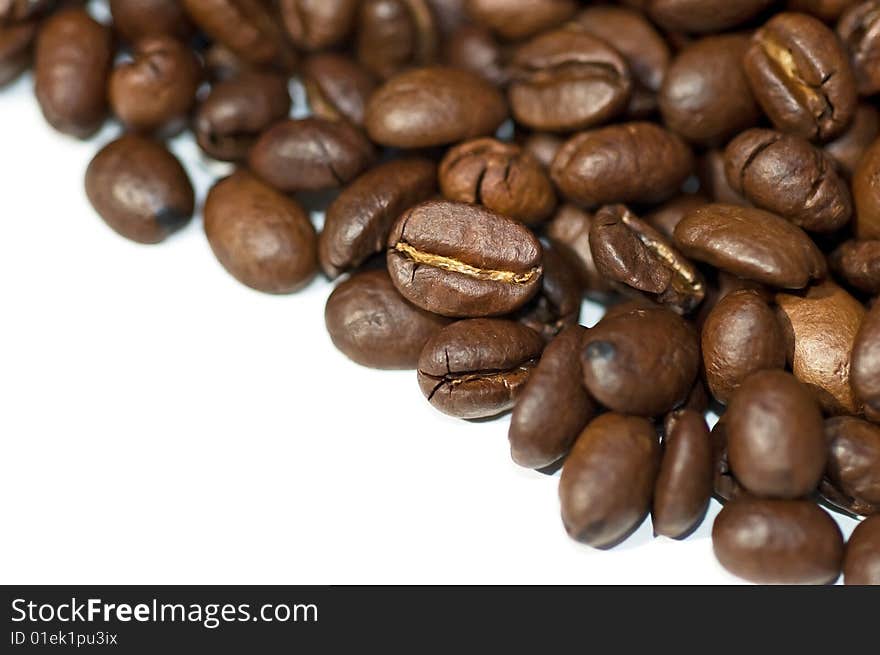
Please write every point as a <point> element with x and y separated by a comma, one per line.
<point>665,217</point>
<point>827,10</point>
<point>136,20</point>
<point>500,176</point>
<point>337,87</point>
<point>823,324</point>
<point>570,230</point>
<point>519,19</point>
<point>632,162</point>
<point>703,15</point>
<point>713,180</point>
<point>12,11</point>
<point>621,353</point>
<point>222,64</point>
<point>235,113</point>
<point>752,244</point>
<point>608,478</point>
<point>432,107</point>
<point>359,220</point>
<point>158,88</point>
<point>396,34</point>
<point>474,49</point>
<point>784,174</point>
<point>858,264</point>
<point>310,154</point>
<point>463,260</point>
<point>741,335</point>
<point>139,189</point>
<point>861,562</point>
<point>567,80</point>
<point>558,302</point>
<point>684,483</point>
<point>865,371</point>
<point>724,485</point>
<point>866,194</point>
<point>630,252</point>
<point>801,77</point>
<point>72,61</point>
<point>476,368</point>
<point>318,24</point>
<point>847,149</point>
<point>859,29</point>
<point>16,46</point>
<point>775,440</point>
<point>543,147</point>
<point>853,464</point>
<point>554,407</point>
<point>373,325</point>
<point>778,541</point>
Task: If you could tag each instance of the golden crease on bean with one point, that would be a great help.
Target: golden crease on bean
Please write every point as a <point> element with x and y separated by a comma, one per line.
<point>456,266</point>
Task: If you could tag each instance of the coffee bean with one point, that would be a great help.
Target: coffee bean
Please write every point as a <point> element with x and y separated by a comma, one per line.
<point>741,335</point>
<point>570,230</point>
<point>705,96</point>
<point>140,189</point>
<point>318,24</point>
<point>778,541</point>
<point>724,484</point>
<point>703,15</point>
<point>866,194</point>
<point>136,20</point>
<point>827,10</point>
<point>774,431</point>
<point>373,325</point>
<point>861,562</point>
<point>158,88</point>
<point>823,324</point>
<point>337,87</point>
<point>394,35</point>
<point>558,302</point>
<point>621,353</point>
<point>713,180</point>
<point>859,29</point>
<point>631,162</point>
<point>473,48</point>
<point>450,14</point>
<point>500,176</point>
<point>684,483</point>
<point>519,19</point>
<point>16,45</point>
<point>665,217</point>
<point>858,263</point>
<point>801,77</point>
<point>462,260</point>
<point>784,174</point>
<point>567,79</point>
<point>847,149</point>
<point>358,222</point>
<point>476,368</point>
<point>608,478</point>
<point>310,154</point>
<point>222,64</point>
<point>12,11</point>
<point>262,237</point>
<point>72,61</point>
<point>630,252</point>
<point>752,244</point>
<point>553,407</point>
<point>435,106</point>
<point>853,472</point>
<point>543,147</point>
<point>865,371</point>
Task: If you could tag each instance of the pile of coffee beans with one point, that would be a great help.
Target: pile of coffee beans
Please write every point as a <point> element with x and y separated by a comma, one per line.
<point>709,170</point>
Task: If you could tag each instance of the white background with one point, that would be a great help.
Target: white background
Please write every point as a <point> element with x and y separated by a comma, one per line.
<point>161,423</point>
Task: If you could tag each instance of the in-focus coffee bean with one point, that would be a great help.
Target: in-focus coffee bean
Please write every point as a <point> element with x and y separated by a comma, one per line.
<point>852,478</point>
<point>858,264</point>
<point>865,371</point>
<point>861,562</point>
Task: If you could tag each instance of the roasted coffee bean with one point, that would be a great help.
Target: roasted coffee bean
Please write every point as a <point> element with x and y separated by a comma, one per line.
<point>858,264</point>
<point>847,149</point>
<point>865,371</point>
<point>778,541</point>
<point>684,483</point>
<point>705,96</point>
<point>853,471</point>
<point>249,28</point>
<point>474,49</point>
<point>455,259</point>
<point>567,79</point>
<point>72,61</point>
<point>500,176</point>
<point>786,175</point>
<point>698,399</point>
<point>554,407</point>
<point>136,20</point>
<point>724,485</point>
<point>543,147</point>
<point>741,335</point>
<point>822,324</point>
<point>262,237</point>
<point>713,180</point>
<point>623,352</point>
<point>608,478</point>
<point>866,193</point>
<point>337,87</point>
<point>16,45</point>
<point>450,14</point>
<point>359,220</point>
<point>373,325</point>
<point>631,162</point>
<point>646,53</point>
<point>396,34</point>
<point>558,302</point>
<point>752,244</point>
<point>318,24</point>
<point>12,11</point>
<point>570,230</point>
<point>861,562</point>
<point>630,252</point>
<point>310,154</point>
<point>139,189</point>
<point>801,77</point>
<point>519,19</point>
<point>433,106</point>
<point>774,431</point>
<point>235,113</point>
<point>158,88</point>
<point>665,217</point>
<point>222,64</point>
<point>476,368</point>
<point>859,29</point>
<point>827,10</point>
<point>703,15</point>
